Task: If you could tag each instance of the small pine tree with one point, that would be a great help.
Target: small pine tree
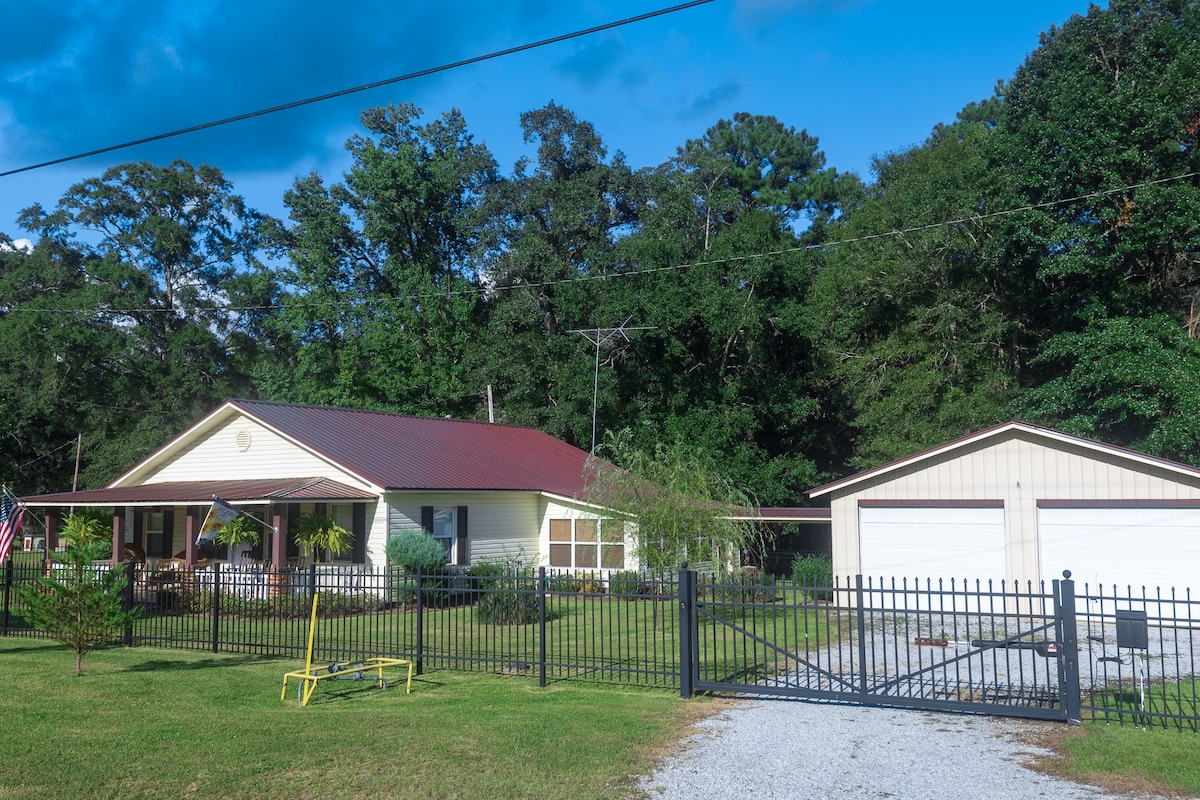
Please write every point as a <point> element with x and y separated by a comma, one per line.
<point>81,608</point>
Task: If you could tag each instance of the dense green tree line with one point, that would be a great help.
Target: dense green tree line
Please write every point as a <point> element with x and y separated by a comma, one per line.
<point>1037,257</point>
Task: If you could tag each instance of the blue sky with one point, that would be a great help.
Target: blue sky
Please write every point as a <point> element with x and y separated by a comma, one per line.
<point>866,78</point>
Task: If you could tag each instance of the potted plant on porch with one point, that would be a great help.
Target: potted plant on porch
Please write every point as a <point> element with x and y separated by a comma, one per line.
<point>238,532</point>
<point>320,535</point>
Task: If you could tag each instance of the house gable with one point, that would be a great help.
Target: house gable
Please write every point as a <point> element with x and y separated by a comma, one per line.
<point>235,446</point>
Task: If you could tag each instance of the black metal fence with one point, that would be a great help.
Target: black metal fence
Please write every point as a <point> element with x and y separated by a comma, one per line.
<point>1129,658</point>
<point>1139,655</point>
<point>532,622</point>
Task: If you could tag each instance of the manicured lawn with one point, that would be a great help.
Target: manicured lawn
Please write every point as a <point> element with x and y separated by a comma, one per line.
<point>154,723</point>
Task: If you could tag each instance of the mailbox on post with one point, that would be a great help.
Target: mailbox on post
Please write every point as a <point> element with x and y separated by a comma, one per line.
<point>1132,630</point>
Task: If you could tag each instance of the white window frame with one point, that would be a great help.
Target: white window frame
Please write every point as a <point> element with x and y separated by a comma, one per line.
<point>575,543</point>
<point>445,531</point>
<point>149,530</point>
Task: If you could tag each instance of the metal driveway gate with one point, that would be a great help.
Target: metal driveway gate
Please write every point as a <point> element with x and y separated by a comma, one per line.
<point>983,649</point>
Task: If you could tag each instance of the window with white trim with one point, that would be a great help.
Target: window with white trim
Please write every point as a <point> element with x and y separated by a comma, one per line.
<point>154,533</point>
<point>445,526</point>
<point>587,543</point>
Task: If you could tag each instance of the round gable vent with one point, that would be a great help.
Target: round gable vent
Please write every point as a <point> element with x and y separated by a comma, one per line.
<point>243,440</point>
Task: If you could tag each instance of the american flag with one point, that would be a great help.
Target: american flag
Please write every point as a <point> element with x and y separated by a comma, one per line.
<point>11,514</point>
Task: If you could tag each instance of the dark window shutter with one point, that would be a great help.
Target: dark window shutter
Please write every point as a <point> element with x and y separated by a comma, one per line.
<point>319,509</point>
<point>168,532</point>
<point>427,520</point>
<point>358,527</point>
<point>292,514</point>
<point>139,517</point>
<point>462,536</point>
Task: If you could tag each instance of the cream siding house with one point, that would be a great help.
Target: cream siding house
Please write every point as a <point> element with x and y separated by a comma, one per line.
<point>1018,502</point>
<point>487,492</point>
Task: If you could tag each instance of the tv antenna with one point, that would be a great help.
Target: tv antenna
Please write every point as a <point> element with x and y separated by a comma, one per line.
<point>598,337</point>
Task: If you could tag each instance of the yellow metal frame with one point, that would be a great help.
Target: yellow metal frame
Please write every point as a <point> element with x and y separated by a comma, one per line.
<point>311,677</point>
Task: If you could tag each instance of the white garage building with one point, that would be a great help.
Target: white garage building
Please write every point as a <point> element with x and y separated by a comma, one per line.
<point>1021,502</point>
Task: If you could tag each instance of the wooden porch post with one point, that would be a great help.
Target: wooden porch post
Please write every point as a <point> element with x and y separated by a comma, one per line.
<point>118,535</point>
<point>191,528</point>
<point>51,521</point>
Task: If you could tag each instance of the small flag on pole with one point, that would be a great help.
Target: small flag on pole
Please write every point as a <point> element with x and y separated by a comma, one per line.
<point>219,514</point>
<point>11,514</point>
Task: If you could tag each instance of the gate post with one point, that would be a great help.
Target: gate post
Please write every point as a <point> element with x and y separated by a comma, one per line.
<point>687,631</point>
<point>862,637</point>
<point>126,600</point>
<point>8,582</point>
<point>216,609</point>
<point>541,598</point>
<point>419,656</point>
<point>1069,695</point>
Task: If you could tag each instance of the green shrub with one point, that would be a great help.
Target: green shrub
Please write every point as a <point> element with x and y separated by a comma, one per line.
<point>507,607</point>
<point>588,582</point>
<point>740,587</point>
<point>195,601</point>
<point>627,581</point>
<point>435,586</point>
<point>504,595</point>
<point>562,584</point>
<point>814,574</point>
<point>486,573</point>
<point>167,600</point>
<point>413,550</point>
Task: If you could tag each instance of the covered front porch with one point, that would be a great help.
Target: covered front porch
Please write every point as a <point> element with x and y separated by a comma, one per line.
<point>158,523</point>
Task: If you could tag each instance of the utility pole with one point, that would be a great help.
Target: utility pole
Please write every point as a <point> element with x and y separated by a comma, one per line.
<point>599,336</point>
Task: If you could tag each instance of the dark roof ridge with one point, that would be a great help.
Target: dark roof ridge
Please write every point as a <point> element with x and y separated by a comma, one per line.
<point>239,401</point>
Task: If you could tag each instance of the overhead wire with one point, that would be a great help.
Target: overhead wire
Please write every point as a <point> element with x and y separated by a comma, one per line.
<point>477,290</point>
<point>367,86</point>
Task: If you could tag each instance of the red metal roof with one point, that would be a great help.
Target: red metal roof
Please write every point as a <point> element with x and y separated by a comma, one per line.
<point>202,492</point>
<point>404,452</point>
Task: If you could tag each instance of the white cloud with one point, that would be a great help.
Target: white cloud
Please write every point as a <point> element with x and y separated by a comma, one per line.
<point>18,246</point>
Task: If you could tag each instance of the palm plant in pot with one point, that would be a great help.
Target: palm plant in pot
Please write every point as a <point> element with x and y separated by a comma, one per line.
<point>239,531</point>
<point>320,535</point>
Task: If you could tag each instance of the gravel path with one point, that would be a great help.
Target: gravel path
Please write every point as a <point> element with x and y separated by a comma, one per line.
<point>779,749</point>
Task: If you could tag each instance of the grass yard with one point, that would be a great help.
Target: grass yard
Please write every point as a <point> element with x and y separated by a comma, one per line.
<point>1127,760</point>
<point>152,723</point>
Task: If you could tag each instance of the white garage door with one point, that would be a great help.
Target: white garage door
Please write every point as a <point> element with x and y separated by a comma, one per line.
<point>1128,547</point>
<point>921,542</point>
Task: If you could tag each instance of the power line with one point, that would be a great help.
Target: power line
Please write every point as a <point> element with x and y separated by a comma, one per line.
<point>375,85</point>
<point>477,290</point>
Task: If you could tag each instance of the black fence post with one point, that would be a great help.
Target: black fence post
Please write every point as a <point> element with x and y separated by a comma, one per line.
<point>687,617</point>
<point>216,614</point>
<point>861,609</point>
<point>8,582</point>
<point>1070,696</point>
<point>541,590</point>
<point>420,643</point>
<point>127,601</point>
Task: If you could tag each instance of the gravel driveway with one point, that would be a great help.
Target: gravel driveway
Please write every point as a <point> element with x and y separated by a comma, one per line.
<point>779,749</point>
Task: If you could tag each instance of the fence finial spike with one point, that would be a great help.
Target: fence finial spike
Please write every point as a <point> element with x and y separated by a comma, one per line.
<point>1067,574</point>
